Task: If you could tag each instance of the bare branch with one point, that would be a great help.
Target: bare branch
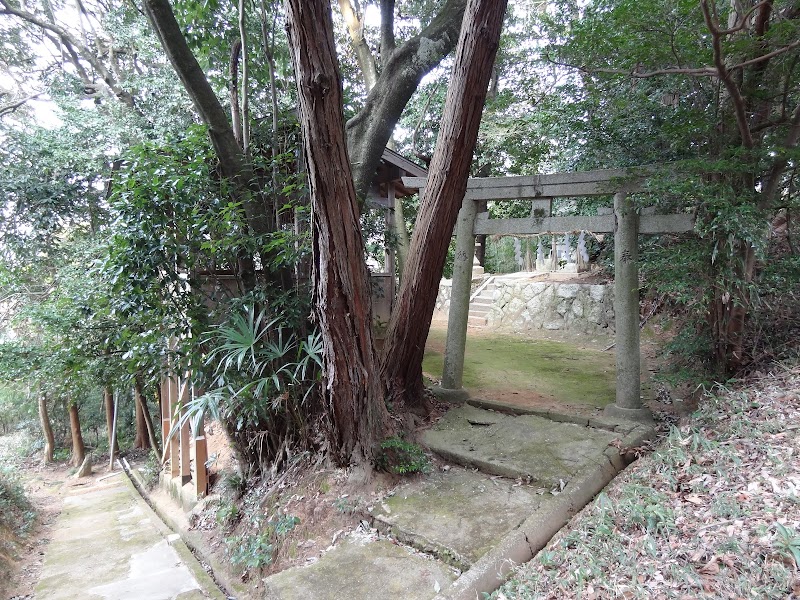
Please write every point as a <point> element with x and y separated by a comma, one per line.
<point>767,56</point>
<point>13,106</point>
<point>725,76</point>
<point>82,50</point>
<point>72,57</point>
<point>364,55</point>
<point>705,71</point>
<point>743,23</point>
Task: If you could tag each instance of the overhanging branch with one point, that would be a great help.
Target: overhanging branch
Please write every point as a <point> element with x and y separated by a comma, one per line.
<point>13,106</point>
<point>73,41</point>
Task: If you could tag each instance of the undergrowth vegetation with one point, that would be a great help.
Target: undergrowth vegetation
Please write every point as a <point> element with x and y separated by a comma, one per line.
<point>263,384</point>
<point>17,515</point>
<point>713,512</point>
<point>402,457</point>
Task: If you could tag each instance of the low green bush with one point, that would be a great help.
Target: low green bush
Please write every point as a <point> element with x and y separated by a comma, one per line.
<point>401,457</point>
<point>16,514</point>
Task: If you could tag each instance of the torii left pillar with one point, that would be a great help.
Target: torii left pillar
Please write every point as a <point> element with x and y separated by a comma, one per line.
<point>628,404</point>
<point>458,313</point>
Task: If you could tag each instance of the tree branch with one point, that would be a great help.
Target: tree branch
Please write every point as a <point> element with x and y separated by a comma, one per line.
<point>767,56</point>
<point>703,71</point>
<point>161,17</point>
<point>743,23</point>
<point>387,30</point>
<point>725,77</point>
<point>366,61</point>
<point>84,52</point>
<point>370,130</point>
<point>13,106</point>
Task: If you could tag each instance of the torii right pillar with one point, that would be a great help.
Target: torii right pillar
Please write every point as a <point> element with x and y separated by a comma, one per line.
<point>628,404</point>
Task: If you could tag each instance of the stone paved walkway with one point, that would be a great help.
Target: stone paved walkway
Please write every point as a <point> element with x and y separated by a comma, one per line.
<point>108,545</point>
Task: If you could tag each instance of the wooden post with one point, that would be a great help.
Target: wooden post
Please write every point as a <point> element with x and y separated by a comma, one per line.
<point>186,472</point>
<point>458,314</point>
<point>626,312</point>
<point>390,230</point>
<point>113,444</point>
<point>200,470</point>
<point>174,443</point>
<point>164,410</point>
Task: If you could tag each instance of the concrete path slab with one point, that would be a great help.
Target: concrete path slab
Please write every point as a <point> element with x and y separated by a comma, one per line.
<point>108,545</point>
<point>458,515</point>
<point>361,567</point>
<point>524,446</point>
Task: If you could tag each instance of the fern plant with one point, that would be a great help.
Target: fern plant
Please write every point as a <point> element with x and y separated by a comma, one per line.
<point>402,457</point>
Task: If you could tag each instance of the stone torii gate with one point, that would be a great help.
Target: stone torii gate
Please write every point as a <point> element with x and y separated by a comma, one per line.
<point>624,222</point>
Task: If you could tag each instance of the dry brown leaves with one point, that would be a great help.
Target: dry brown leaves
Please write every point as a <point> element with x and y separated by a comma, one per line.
<point>697,518</point>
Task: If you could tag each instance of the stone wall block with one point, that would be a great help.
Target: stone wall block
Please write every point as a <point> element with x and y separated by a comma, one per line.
<point>598,292</point>
<point>568,290</point>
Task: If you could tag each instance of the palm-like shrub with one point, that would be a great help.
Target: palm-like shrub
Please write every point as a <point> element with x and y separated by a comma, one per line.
<point>262,389</point>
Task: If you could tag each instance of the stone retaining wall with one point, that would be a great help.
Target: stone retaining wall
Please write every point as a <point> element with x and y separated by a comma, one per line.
<point>579,307</point>
<point>443,298</point>
<point>526,305</point>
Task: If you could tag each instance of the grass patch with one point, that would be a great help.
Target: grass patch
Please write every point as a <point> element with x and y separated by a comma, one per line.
<point>553,369</point>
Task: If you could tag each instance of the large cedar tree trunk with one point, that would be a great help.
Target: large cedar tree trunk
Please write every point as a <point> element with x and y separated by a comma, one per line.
<point>47,430</point>
<point>441,200</point>
<point>78,448</point>
<point>342,301</point>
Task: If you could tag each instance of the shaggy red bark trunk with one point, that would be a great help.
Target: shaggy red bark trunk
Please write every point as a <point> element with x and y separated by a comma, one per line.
<point>441,200</point>
<point>342,301</point>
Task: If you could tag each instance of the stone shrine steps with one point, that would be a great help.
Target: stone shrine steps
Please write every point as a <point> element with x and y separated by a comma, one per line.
<point>510,481</point>
<point>480,306</point>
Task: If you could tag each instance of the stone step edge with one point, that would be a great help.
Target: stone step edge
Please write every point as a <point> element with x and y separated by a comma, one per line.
<point>479,311</point>
<point>491,468</point>
<point>598,422</point>
<point>523,543</point>
<point>419,542</point>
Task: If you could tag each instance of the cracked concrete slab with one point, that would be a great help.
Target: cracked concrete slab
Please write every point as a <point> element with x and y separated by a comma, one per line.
<point>458,515</point>
<point>523,446</point>
<point>361,567</point>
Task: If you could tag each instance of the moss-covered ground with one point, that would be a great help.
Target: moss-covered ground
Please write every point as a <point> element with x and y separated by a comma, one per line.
<point>562,372</point>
